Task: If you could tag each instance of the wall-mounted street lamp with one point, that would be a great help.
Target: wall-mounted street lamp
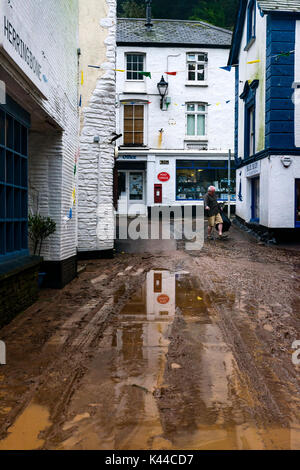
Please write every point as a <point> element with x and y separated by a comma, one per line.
<point>162,89</point>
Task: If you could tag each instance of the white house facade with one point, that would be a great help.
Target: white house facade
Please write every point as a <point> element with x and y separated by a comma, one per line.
<point>57,118</point>
<point>39,132</point>
<point>265,52</point>
<point>172,147</point>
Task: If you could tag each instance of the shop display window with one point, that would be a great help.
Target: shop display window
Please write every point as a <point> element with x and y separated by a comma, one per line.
<point>194,177</point>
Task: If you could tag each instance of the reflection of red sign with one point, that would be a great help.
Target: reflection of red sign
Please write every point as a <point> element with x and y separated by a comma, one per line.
<point>163,176</point>
<point>163,299</point>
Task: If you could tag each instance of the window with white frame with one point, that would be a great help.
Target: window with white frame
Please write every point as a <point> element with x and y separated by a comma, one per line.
<point>134,65</point>
<point>196,119</point>
<point>197,66</point>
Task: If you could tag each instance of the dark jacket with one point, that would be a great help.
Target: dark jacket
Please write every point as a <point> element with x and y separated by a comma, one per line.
<point>212,203</point>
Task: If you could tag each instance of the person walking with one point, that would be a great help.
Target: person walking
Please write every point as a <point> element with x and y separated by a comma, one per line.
<point>213,209</point>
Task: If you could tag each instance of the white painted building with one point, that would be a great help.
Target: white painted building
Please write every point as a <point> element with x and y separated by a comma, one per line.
<point>265,52</point>
<point>170,156</point>
<point>57,118</point>
<point>39,67</point>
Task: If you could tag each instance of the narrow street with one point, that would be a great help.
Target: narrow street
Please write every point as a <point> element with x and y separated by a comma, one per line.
<point>172,350</point>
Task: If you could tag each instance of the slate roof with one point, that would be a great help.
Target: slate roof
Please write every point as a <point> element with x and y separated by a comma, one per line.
<point>171,32</point>
<point>280,5</point>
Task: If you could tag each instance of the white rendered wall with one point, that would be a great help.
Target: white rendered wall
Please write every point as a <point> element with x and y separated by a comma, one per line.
<point>277,193</point>
<point>253,72</point>
<point>173,122</point>
<point>96,162</point>
<point>51,33</point>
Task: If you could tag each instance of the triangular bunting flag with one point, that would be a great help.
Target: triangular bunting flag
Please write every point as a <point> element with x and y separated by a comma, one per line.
<point>145,74</point>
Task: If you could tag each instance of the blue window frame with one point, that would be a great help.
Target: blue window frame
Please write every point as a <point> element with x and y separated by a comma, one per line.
<point>249,97</point>
<point>14,124</point>
<point>251,22</point>
<point>193,177</point>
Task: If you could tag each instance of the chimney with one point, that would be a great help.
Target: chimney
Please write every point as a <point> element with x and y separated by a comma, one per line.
<point>149,24</point>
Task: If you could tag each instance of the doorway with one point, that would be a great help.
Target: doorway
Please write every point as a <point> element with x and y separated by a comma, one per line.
<point>255,199</point>
<point>131,192</point>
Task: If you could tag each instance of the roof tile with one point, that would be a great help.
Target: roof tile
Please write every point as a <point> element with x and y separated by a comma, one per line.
<point>172,32</point>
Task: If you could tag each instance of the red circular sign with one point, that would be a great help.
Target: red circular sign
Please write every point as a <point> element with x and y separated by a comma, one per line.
<point>163,299</point>
<point>163,176</point>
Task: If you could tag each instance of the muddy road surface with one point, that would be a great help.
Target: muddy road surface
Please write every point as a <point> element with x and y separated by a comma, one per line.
<point>162,350</point>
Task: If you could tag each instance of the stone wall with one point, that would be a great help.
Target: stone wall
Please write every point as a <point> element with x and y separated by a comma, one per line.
<point>18,290</point>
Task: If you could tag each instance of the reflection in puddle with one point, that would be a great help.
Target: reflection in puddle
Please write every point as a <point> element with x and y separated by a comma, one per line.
<point>164,378</point>
<point>24,434</point>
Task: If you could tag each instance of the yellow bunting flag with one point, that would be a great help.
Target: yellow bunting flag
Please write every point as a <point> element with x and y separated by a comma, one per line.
<point>119,70</point>
<point>81,77</point>
<point>218,104</point>
<point>253,61</point>
<point>74,196</point>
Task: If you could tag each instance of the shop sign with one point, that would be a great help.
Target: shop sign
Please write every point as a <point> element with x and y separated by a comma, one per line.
<point>163,299</point>
<point>18,44</point>
<point>163,176</point>
<point>128,157</point>
<point>253,169</point>
<point>164,162</point>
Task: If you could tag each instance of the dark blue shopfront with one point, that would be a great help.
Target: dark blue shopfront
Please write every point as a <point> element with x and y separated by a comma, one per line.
<point>14,125</point>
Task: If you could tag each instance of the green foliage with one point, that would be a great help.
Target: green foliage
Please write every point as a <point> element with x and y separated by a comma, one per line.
<point>39,229</point>
<point>219,12</point>
<point>132,9</point>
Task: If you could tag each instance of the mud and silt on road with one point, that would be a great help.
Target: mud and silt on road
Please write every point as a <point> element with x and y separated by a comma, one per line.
<point>171,351</point>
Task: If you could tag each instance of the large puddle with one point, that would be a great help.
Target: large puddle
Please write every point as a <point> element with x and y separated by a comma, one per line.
<point>164,378</point>
<point>25,432</point>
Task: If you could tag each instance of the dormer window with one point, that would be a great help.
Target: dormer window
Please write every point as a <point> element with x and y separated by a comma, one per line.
<point>251,23</point>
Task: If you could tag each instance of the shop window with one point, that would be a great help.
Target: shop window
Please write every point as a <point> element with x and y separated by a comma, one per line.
<point>196,119</point>
<point>133,125</point>
<point>196,67</point>
<point>193,179</point>
<point>135,64</point>
<point>13,182</point>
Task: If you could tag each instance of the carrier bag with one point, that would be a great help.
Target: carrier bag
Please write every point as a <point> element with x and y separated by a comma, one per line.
<point>226,222</point>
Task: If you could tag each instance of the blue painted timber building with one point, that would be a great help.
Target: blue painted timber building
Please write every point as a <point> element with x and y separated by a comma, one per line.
<point>265,52</point>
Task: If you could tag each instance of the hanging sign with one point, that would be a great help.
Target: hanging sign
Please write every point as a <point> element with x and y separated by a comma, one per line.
<point>163,176</point>
<point>163,299</point>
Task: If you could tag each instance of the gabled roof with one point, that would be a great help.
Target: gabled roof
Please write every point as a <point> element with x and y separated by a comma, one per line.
<point>171,32</point>
<point>280,5</point>
<point>265,6</point>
